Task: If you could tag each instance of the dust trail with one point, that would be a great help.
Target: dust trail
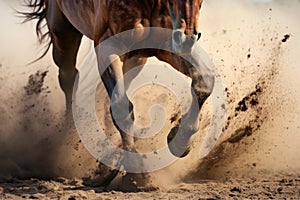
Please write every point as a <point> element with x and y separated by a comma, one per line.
<point>25,128</point>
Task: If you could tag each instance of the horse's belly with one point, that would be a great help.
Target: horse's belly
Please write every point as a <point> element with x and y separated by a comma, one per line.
<point>81,15</point>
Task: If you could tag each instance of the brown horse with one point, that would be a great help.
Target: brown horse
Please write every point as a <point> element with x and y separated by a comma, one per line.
<point>99,20</point>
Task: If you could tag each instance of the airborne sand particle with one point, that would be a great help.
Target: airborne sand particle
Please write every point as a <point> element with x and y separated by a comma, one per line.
<point>286,38</point>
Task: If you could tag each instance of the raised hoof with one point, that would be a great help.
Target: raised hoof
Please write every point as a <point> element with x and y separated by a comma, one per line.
<point>177,150</point>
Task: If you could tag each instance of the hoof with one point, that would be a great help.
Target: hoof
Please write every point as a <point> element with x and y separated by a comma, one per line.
<point>176,147</point>
<point>102,177</point>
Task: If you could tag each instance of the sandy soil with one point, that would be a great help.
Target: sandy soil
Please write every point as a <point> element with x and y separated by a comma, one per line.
<point>254,47</point>
<point>275,187</point>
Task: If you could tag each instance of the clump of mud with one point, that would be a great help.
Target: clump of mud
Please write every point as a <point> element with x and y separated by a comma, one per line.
<point>35,83</point>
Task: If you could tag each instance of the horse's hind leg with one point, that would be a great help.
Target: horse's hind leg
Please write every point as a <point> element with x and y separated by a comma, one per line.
<point>66,41</point>
<point>202,85</point>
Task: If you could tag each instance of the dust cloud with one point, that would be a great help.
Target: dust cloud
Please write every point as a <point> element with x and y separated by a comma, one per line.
<point>254,47</point>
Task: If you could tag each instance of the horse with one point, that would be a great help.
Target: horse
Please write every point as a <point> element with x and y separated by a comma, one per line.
<point>99,20</point>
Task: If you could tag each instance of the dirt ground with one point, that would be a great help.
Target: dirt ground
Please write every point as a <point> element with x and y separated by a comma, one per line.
<point>275,187</point>
<point>255,48</point>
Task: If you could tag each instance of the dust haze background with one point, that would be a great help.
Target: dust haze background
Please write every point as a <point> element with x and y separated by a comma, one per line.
<point>244,40</point>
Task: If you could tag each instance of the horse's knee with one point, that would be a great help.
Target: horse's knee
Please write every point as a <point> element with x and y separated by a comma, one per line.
<point>66,82</point>
<point>67,79</point>
<point>203,86</point>
<point>122,114</point>
<point>209,80</point>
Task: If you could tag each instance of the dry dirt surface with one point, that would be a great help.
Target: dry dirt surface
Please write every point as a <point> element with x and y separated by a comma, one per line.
<point>276,187</point>
<point>255,48</point>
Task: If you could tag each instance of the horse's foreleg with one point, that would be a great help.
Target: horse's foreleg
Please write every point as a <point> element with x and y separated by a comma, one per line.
<point>66,41</point>
<point>111,69</point>
<point>180,138</point>
<point>113,73</point>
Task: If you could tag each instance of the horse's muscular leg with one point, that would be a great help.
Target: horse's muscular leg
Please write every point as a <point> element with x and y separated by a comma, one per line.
<point>112,70</point>
<point>66,41</point>
<point>180,138</point>
<point>122,115</point>
<point>120,107</point>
